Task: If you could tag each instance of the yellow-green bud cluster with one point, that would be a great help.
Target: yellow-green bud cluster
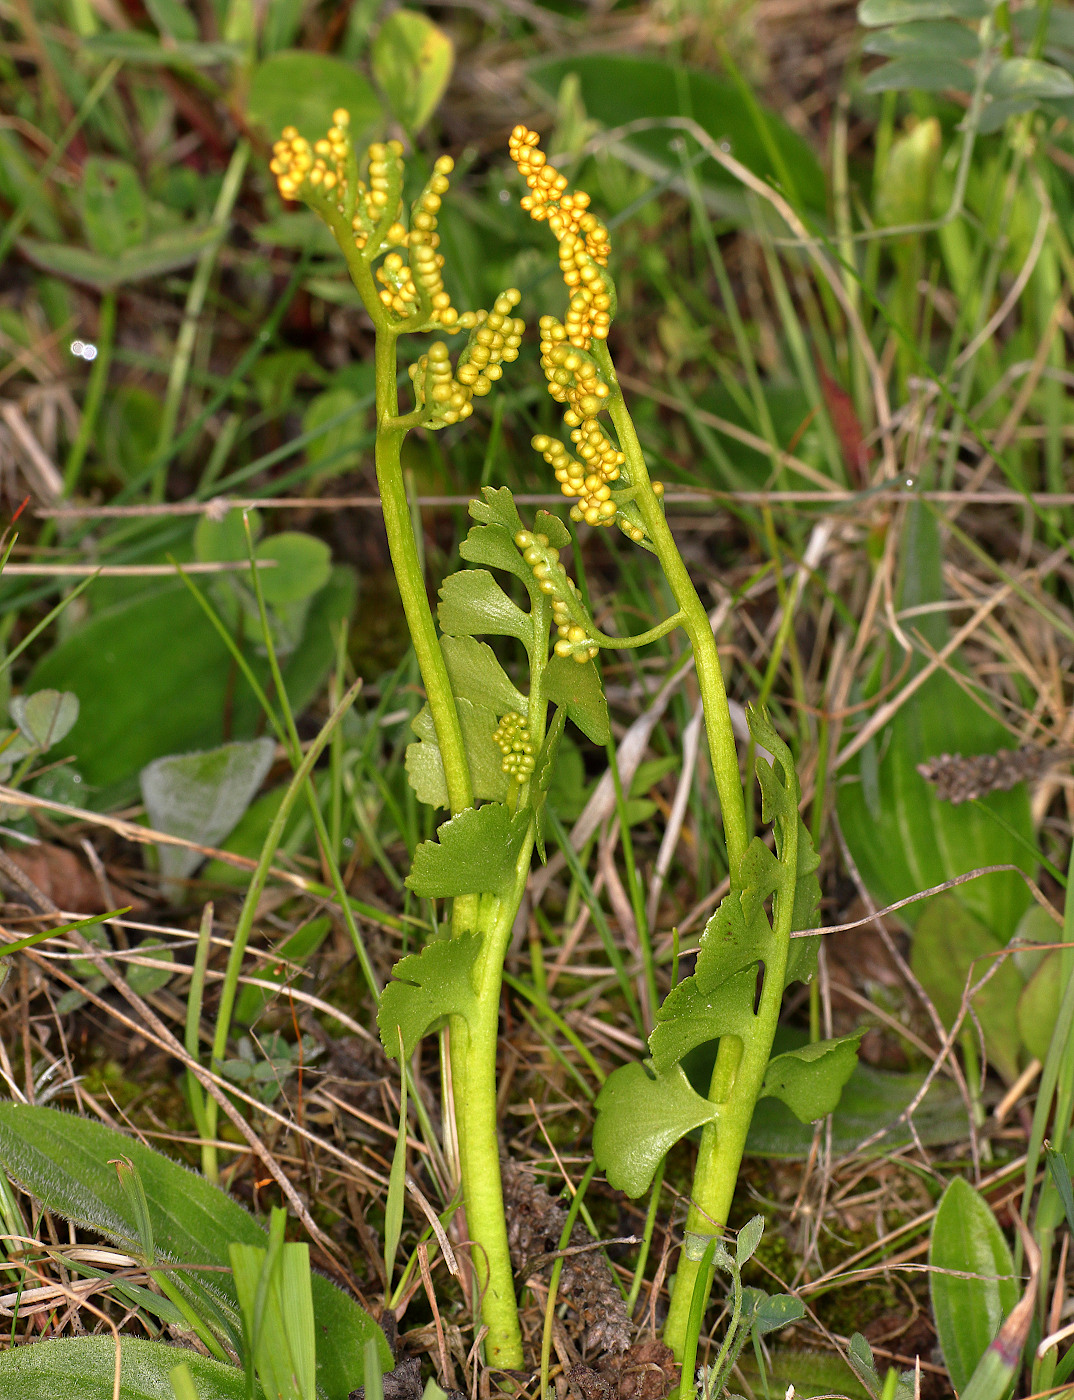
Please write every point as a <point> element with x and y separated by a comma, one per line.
<point>512,738</point>
<point>325,176</point>
<point>302,170</point>
<point>582,238</point>
<point>552,579</point>
<point>494,339</point>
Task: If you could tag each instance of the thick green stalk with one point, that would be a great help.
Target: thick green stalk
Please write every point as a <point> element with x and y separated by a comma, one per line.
<point>736,1086</point>
<point>695,622</point>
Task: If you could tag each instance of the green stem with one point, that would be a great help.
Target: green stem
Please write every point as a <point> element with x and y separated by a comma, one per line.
<point>91,407</point>
<point>736,1086</point>
<point>695,621</point>
<point>408,574</point>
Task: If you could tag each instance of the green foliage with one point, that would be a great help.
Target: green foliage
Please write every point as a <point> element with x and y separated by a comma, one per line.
<point>83,1368</point>
<point>412,61</point>
<point>617,89</point>
<point>428,987</point>
<point>476,853</point>
<point>810,1080</point>
<point>940,45</point>
<point>181,697</point>
<point>294,88</point>
<point>201,797</point>
<point>644,1110</point>
<point>275,1294</point>
<point>65,1163</point>
<point>968,1311</point>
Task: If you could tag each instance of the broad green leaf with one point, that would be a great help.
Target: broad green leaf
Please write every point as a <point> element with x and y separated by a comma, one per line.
<point>968,1311</point>
<point>303,567</point>
<point>1029,77</point>
<point>640,1116</point>
<point>201,796</point>
<point>184,675</point>
<point>730,944</point>
<point>947,942</point>
<point>618,89</point>
<point>873,1101</point>
<point>130,430</point>
<point>1038,1006</point>
<point>296,88</point>
<point>412,61</point>
<point>45,717</point>
<point>810,1080</point>
<point>153,258</point>
<point>919,74</point>
<point>873,13</point>
<point>425,766</point>
<point>690,1017</point>
<point>83,1368</point>
<point>63,1161</point>
<point>577,688</point>
<point>426,987</point>
<point>998,110</point>
<point>939,38</point>
<point>477,676</point>
<point>902,838</point>
<point>114,210</point>
<point>472,602</point>
<point>476,853</point>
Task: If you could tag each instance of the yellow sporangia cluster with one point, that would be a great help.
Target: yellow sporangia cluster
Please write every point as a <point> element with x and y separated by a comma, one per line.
<point>512,738</point>
<point>495,337</point>
<point>582,238</point>
<point>325,175</point>
<point>553,581</point>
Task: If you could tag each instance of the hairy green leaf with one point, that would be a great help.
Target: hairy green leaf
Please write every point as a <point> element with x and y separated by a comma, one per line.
<point>578,689</point>
<point>810,1080</point>
<point>428,986</point>
<point>64,1162</point>
<point>477,676</point>
<point>472,602</point>
<point>200,797</point>
<point>641,1114</point>
<point>769,1312</point>
<point>968,1311</point>
<point>45,717</point>
<point>475,853</point>
<point>83,1368</point>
